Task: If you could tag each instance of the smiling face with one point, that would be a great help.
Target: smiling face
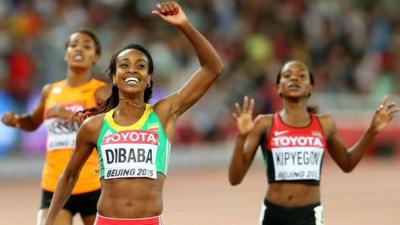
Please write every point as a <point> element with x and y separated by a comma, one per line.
<point>80,51</point>
<point>132,71</point>
<point>295,80</point>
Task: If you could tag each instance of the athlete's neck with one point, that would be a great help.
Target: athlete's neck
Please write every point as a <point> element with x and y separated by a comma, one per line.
<point>129,111</point>
<point>131,104</point>
<point>78,76</point>
<point>132,100</point>
<point>295,114</point>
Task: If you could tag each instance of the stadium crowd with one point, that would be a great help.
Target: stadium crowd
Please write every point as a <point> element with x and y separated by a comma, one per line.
<point>352,47</point>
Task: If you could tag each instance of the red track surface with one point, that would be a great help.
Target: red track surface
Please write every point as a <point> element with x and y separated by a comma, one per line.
<point>367,196</point>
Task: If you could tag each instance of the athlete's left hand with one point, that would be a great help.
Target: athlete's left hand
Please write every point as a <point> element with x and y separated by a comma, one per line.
<point>383,115</point>
<point>59,111</point>
<point>171,13</point>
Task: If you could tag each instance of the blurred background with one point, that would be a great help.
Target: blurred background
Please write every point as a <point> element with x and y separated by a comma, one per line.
<point>352,47</point>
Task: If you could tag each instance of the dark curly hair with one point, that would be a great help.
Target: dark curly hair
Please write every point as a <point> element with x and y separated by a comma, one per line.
<point>92,35</point>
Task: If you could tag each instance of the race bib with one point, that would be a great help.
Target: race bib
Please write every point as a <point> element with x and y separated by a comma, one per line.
<point>297,163</point>
<point>61,133</point>
<point>130,154</point>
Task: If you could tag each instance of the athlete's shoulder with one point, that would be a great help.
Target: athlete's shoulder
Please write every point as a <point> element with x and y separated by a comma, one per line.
<point>93,123</point>
<point>89,129</point>
<point>46,90</point>
<point>324,118</point>
<point>264,122</point>
<point>327,124</point>
<point>48,87</point>
<point>264,118</point>
<point>96,118</point>
<point>57,83</point>
<point>99,82</point>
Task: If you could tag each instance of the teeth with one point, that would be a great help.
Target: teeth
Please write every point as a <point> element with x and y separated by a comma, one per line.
<point>131,80</point>
<point>78,57</point>
<point>294,85</point>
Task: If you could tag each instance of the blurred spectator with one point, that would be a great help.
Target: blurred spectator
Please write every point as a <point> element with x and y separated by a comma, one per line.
<point>7,103</point>
<point>352,47</point>
<point>20,73</point>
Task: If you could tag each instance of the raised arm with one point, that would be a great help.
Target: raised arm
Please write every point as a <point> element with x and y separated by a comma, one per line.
<point>347,159</point>
<point>247,140</point>
<point>29,121</point>
<point>85,143</point>
<point>210,63</point>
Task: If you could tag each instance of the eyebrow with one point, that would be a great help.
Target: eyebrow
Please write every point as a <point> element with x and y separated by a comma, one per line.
<point>138,60</point>
<point>85,41</point>
<point>290,70</point>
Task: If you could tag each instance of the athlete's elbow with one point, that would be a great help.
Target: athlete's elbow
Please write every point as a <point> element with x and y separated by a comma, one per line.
<point>219,69</point>
<point>70,176</point>
<point>30,127</point>
<point>216,68</point>
<point>347,169</point>
<point>72,179</point>
<point>235,180</point>
<point>235,183</point>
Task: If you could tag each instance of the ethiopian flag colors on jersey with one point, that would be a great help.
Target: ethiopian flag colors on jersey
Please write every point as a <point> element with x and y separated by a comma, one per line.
<point>138,150</point>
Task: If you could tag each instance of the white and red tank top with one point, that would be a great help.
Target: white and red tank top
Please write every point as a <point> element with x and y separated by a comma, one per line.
<point>294,154</point>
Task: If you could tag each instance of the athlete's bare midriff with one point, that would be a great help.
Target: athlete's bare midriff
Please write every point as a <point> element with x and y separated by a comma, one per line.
<point>293,194</point>
<point>131,197</point>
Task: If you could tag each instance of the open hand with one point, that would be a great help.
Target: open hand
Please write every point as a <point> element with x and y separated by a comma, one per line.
<point>383,115</point>
<point>244,116</point>
<point>171,13</point>
<point>11,119</point>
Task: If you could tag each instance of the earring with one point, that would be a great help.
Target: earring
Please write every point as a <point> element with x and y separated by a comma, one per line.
<point>148,85</point>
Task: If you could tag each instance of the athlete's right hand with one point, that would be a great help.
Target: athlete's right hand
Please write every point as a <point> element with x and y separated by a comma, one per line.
<point>11,119</point>
<point>244,116</point>
<point>171,12</point>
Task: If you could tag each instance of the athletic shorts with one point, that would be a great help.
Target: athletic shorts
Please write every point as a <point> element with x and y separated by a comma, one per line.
<point>272,214</point>
<point>85,204</point>
<point>101,220</point>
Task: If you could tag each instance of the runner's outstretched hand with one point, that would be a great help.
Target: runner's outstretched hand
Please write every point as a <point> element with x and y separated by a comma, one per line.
<point>244,116</point>
<point>11,119</point>
<point>383,115</point>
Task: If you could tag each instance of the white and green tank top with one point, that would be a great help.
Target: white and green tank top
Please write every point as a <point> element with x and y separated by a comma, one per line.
<point>138,150</point>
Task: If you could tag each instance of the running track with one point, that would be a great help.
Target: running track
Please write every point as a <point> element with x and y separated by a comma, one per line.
<point>370,195</point>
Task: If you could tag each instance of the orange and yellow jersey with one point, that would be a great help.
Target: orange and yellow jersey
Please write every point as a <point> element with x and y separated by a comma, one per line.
<point>61,136</point>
